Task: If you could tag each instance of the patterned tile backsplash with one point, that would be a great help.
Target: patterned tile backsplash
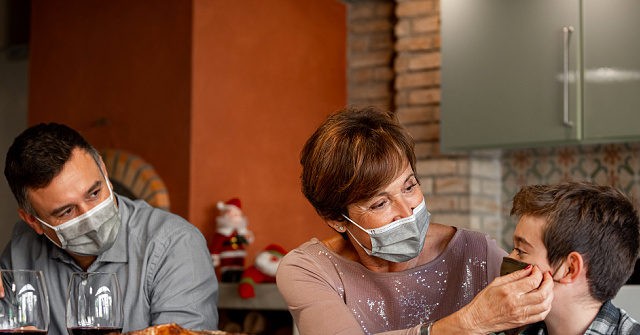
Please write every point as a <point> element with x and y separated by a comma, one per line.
<point>607,164</point>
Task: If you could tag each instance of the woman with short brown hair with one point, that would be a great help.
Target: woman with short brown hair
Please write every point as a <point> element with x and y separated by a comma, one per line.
<point>389,269</point>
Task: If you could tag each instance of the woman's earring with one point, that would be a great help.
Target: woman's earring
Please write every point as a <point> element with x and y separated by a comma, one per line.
<point>340,228</point>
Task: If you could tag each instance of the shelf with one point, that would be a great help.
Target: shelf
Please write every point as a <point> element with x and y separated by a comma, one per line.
<point>267,298</point>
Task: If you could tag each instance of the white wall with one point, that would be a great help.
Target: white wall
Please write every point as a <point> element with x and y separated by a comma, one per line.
<point>629,299</point>
<point>13,119</point>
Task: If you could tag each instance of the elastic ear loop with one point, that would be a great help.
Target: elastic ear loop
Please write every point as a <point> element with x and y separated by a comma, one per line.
<point>556,272</point>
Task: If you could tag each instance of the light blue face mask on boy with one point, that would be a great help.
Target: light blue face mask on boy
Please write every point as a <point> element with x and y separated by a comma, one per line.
<point>400,240</point>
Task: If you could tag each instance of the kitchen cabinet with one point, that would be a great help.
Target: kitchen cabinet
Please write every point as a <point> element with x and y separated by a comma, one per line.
<point>611,69</point>
<point>521,73</point>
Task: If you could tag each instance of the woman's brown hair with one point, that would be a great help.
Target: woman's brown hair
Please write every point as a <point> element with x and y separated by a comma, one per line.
<point>351,156</point>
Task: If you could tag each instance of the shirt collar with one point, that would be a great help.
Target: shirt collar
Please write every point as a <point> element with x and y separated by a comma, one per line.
<point>56,253</point>
<point>607,316</point>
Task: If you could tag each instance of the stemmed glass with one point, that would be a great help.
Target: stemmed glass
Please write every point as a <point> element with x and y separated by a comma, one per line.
<point>24,309</point>
<point>94,304</point>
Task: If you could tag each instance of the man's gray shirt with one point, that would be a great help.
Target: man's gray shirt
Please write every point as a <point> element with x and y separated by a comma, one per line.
<point>161,261</point>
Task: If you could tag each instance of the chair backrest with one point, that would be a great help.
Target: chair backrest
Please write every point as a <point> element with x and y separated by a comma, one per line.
<point>132,177</point>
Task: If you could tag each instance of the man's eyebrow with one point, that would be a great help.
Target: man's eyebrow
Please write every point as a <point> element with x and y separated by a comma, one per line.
<point>520,239</point>
<point>93,187</point>
<point>62,208</point>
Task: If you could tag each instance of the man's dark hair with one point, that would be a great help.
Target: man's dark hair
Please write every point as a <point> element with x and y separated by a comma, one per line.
<point>599,222</point>
<point>37,155</point>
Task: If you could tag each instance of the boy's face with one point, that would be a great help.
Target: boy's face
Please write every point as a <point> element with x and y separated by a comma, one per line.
<point>527,243</point>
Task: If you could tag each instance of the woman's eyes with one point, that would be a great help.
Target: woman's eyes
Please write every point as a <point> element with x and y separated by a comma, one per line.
<point>410,187</point>
<point>379,204</point>
<point>382,203</point>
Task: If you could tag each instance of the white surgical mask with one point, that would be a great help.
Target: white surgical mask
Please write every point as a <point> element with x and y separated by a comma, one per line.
<point>400,240</point>
<point>91,233</point>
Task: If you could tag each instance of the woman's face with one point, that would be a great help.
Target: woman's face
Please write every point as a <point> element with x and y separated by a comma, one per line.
<point>397,200</point>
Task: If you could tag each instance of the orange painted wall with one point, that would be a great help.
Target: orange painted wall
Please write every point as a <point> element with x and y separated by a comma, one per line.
<point>219,96</point>
<point>266,73</point>
<point>124,62</point>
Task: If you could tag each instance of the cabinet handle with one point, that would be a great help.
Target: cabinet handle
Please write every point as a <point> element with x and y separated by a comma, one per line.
<point>565,85</point>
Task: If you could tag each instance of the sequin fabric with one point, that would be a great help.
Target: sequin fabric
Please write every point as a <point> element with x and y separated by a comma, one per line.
<point>397,300</point>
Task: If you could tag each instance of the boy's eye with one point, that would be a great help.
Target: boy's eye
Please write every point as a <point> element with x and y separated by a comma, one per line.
<point>519,251</point>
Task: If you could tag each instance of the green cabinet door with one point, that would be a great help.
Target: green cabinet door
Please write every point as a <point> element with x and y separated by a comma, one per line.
<point>611,69</point>
<point>503,65</point>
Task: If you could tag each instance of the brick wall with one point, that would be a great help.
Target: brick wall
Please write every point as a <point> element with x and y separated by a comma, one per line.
<point>370,53</point>
<point>394,61</point>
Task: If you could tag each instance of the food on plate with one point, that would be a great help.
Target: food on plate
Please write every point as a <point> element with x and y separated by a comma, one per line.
<point>175,329</point>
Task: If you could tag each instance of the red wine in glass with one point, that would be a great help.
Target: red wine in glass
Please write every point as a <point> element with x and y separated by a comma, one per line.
<point>22,332</point>
<point>94,304</point>
<point>93,330</point>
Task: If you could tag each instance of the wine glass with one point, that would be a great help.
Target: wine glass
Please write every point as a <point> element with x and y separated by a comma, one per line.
<point>24,309</point>
<point>94,304</point>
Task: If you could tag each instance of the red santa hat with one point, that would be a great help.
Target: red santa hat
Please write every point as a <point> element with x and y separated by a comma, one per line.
<point>263,270</point>
<point>233,202</point>
<point>276,250</point>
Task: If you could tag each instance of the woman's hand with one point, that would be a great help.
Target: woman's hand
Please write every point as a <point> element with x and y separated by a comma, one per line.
<point>520,298</point>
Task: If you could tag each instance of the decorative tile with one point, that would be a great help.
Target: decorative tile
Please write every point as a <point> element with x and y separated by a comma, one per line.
<point>607,164</point>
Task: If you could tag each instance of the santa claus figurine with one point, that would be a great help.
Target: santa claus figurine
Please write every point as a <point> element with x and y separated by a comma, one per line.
<point>263,270</point>
<point>227,246</point>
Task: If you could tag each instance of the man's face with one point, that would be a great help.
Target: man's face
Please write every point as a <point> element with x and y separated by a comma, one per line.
<point>75,190</point>
<point>527,242</point>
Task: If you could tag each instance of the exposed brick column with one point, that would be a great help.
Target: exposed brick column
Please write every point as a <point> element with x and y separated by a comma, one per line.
<point>417,68</point>
<point>370,52</point>
<point>462,189</point>
<point>394,62</point>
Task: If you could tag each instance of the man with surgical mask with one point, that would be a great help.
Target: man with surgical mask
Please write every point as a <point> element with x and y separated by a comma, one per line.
<point>586,236</point>
<point>73,221</point>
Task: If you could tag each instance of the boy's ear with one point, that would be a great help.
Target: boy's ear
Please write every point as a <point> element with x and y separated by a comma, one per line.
<point>571,268</point>
<point>31,221</point>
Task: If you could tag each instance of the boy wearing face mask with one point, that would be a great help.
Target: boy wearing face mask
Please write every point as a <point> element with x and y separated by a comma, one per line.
<point>586,236</point>
<point>73,221</point>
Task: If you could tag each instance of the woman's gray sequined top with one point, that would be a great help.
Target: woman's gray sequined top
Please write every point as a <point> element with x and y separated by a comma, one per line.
<point>328,294</point>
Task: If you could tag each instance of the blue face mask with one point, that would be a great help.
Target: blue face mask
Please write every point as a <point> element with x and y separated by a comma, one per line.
<point>400,240</point>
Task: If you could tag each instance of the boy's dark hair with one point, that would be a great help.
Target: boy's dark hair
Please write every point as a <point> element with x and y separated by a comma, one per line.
<point>599,222</point>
